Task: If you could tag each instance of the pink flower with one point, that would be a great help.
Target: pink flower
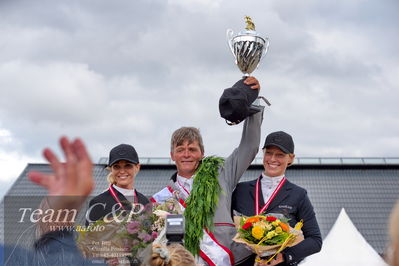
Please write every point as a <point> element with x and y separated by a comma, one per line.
<point>145,237</point>
<point>133,227</point>
<point>132,231</point>
<point>148,238</point>
<point>142,235</point>
<point>154,235</point>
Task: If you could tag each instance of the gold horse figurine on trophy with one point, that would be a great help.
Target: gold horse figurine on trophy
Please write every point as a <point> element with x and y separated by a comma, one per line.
<point>250,24</point>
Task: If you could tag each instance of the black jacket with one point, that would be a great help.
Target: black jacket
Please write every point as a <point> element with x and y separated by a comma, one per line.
<point>291,201</point>
<point>100,210</point>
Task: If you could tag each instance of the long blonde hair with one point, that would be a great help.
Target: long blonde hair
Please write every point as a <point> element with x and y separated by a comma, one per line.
<point>171,255</point>
<point>110,176</point>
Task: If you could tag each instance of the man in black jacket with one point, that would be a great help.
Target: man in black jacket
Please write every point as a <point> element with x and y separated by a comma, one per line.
<point>273,193</point>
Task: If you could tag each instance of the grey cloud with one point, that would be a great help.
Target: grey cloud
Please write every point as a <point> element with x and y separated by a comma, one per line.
<point>50,92</point>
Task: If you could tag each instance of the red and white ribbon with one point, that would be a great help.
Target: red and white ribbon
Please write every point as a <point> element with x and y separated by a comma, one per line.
<point>264,208</point>
<point>116,198</point>
<point>184,189</point>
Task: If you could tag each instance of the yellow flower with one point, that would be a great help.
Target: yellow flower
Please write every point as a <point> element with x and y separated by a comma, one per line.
<point>279,229</point>
<point>275,223</point>
<point>257,232</point>
<point>270,234</point>
<point>262,224</point>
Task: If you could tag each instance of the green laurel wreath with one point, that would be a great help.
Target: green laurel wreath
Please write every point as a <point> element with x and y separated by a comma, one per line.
<point>202,202</point>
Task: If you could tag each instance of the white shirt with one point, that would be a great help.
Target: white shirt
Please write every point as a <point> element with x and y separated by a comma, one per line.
<point>125,192</point>
<point>269,184</point>
<point>184,184</point>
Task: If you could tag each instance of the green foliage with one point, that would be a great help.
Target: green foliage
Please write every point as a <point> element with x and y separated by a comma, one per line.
<point>202,202</point>
<point>277,240</point>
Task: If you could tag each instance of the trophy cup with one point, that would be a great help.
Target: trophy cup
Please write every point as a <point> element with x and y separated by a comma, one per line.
<point>247,47</point>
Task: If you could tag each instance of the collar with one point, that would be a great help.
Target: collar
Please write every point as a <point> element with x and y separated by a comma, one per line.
<point>185,179</point>
<point>187,183</point>
<point>125,192</point>
<point>271,180</point>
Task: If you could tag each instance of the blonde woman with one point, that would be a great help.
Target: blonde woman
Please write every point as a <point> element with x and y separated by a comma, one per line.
<point>272,192</point>
<point>123,165</point>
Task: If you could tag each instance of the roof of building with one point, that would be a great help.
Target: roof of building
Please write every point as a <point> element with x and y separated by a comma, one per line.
<point>297,161</point>
<point>366,187</point>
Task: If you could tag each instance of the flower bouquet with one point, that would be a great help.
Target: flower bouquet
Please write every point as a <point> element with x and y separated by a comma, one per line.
<point>121,237</point>
<point>139,232</point>
<point>160,212</point>
<point>267,235</point>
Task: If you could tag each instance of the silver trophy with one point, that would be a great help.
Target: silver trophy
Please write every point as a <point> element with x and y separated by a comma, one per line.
<point>247,47</point>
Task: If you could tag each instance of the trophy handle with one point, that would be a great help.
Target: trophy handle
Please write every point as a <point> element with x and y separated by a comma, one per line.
<point>229,37</point>
<point>265,47</point>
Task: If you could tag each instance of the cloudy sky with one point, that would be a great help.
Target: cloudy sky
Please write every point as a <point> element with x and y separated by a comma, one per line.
<point>132,72</point>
